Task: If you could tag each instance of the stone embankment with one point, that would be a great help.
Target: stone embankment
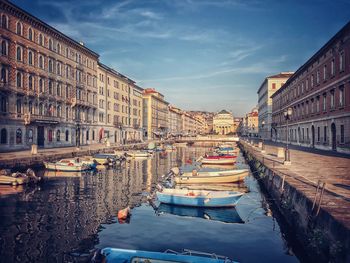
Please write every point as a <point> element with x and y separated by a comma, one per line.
<point>312,194</point>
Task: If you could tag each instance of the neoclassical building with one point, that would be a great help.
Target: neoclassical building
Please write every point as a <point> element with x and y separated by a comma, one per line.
<point>223,122</point>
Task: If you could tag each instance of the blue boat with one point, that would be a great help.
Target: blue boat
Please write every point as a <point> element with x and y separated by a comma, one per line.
<point>222,214</point>
<point>118,255</point>
<point>199,198</point>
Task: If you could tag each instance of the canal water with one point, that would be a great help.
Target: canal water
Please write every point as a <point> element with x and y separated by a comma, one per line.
<point>69,215</point>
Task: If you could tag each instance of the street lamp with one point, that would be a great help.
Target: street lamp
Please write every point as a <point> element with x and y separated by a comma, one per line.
<point>262,132</point>
<point>287,115</point>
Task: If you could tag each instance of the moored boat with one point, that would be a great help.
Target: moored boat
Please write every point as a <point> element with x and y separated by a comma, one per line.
<point>199,198</point>
<point>68,165</point>
<point>217,177</point>
<point>105,158</point>
<point>219,159</point>
<point>118,255</point>
<point>18,178</point>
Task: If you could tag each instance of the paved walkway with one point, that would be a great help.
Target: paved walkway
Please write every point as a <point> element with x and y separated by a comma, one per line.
<point>307,169</point>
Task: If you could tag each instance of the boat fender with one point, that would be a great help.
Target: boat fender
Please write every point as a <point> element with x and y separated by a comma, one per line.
<point>124,213</point>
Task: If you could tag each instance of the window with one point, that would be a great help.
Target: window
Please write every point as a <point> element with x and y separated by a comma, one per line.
<point>318,104</point>
<point>40,109</point>
<point>50,44</point>
<point>318,77</point>
<point>324,102</point>
<point>49,135</point>
<point>58,111</point>
<point>30,34</point>
<point>67,91</point>
<point>58,89</point>
<point>3,75</point>
<point>325,133</point>
<point>332,99</point>
<point>30,82</point>
<point>30,135</point>
<point>41,40</point>
<point>324,72</point>
<point>41,85</point>
<point>67,135</point>
<point>3,104</point>
<point>50,66</point>
<point>318,133</point>
<point>342,134</point>
<point>19,53</point>
<point>30,57</point>
<point>341,61</point>
<point>67,113</point>
<point>18,136</point>
<point>58,135</point>
<point>19,79</point>
<point>58,48</point>
<point>4,21</point>
<point>41,62</point>
<point>341,96</point>
<point>4,48</point>
<point>58,68</point>
<point>332,67</point>
<point>50,87</point>
<point>3,136</point>
<point>19,28</point>
<point>312,80</point>
<point>307,84</point>
<point>30,107</point>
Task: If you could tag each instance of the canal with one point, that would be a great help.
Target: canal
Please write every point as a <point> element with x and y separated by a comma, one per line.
<point>69,215</point>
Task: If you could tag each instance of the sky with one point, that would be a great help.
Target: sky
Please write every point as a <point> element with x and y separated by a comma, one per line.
<point>200,54</point>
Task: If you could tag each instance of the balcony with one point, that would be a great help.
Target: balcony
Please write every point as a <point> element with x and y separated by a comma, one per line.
<point>33,118</point>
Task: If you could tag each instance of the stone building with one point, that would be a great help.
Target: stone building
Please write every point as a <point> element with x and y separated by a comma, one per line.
<point>48,88</point>
<point>269,86</point>
<point>251,123</point>
<point>175,121</point>
<point>318,95</point>
<point>223,122</point>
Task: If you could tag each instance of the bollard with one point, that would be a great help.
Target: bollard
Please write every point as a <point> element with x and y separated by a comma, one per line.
<point>280,152</point>
<point>34,149</point>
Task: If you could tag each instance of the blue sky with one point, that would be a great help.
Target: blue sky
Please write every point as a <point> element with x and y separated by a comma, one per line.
<point>201,54</point>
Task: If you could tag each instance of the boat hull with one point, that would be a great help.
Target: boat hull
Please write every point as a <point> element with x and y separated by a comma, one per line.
<point>219,161</point>
<point>212,179</point>
<point>12,180</point>
<point>199,198</point>
<point>66,168</point>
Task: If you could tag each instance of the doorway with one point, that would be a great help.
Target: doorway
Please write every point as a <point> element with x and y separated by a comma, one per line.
<point>312,136</point>
<point>41,136</point>
<point>334,137</point>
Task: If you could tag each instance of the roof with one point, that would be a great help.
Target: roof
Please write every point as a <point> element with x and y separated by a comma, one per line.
<point>113,71</point>
<point>224,112</point>
<point>314,57</point>
<point>281,75</point>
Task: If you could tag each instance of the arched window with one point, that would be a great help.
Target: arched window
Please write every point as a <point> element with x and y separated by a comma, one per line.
<point>67,135</point>
<point>3,136</point>
<point>41,62</point>
<point>50,110</point>
<point>3,104</point>
<point>58,111</point>
<point>4,48</point>
<point>30,107</point>
<point>50,87</point>
<point>4,21</point>
<point>67,113</point>
<point>3,75</point>
<point>18,136</point>
<point>30,136</point>
<point>67,91</point>
<point>19,53</point>
<point>19,106</point>
<point>58,89</point>
<point>30,34</point>
<point>50,65</point>
<point>30,82</point>
<point>46,111</point>
<point>50,44</point>
<point>87,135</point>
<point>49,135</point>
<point>19,79</point>
<point>58,135</point>
<point>41,85</point>
<point>19,28</point>
<point>58,47</point>
<point>30,57</point>
<point>40,109</point>
<point>41,40</point>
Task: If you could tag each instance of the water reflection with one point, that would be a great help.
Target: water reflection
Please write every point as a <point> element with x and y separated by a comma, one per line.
<point>70,214</point>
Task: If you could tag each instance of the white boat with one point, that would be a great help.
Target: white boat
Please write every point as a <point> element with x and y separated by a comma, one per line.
<point>136,154</point>
<point>219,160</point>
<point>68,165</point>
<point>218,177</point>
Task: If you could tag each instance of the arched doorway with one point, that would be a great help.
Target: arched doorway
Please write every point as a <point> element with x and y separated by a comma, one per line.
<point>334,137</point>
<point>312,136</point>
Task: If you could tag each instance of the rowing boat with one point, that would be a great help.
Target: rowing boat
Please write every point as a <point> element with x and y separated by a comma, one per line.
<point>217,177</point>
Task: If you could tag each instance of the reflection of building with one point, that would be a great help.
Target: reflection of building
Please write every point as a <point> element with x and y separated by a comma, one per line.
<point>47,86</point>
<point>318,94</point>
<point>188,124</point>
<point>223,123</point>
<point>155,114</point>
<point>175,121</point>
<point>270,85</point>
<point>250,124</point>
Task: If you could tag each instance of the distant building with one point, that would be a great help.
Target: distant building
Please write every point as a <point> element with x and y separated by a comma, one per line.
<point>270,85</point>
<point>251,124</point>
<point>319,95</point>
<point>155,114</point>
<point>236,123</point>
<point>174,121</point>
<point>223,123</point>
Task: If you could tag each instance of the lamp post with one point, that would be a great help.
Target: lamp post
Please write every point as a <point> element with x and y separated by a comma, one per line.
<point>287,114</point>
<point>262,144</point>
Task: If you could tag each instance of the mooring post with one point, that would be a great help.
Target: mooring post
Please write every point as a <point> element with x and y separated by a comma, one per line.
<point>317,188</point>
<point>282,185</point>
<point>320,200</point>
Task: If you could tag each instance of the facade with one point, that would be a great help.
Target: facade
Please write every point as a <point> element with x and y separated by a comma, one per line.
<point>155,114</point>
<point>223,123</point>
<point>251,124</point>
<point>270,85</point>
<point>236,124</point>
<point>48,88</point>
<point>175,121</point>
<point>188,124</point>
<point>319,96</point>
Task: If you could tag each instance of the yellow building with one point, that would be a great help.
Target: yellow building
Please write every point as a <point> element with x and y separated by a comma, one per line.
<point>155,114</point>
<point>223,123</point>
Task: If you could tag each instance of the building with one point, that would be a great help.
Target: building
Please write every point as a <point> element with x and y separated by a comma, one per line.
<point>318,95</point>
<point>48,88</point>
<point>188,124</point>
<point>155,114</point>
<point>269,86</point>
<point>236,124</point>
<point>175,121</point>
<point>223,123</point>
<point>251,124</point>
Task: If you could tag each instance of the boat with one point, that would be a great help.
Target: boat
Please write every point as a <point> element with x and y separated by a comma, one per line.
<point>136,154</point>
<point>227,150</point>
<point>219,159</point>
<point>225,215</point>
<point>105,158</point>
<point>68,165</point>
<point>119,255</point>
<point>55,174</point>
<point>217,177</point>
<point>18,178</point>
<point>198,198</point>
<point>240,187</point>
